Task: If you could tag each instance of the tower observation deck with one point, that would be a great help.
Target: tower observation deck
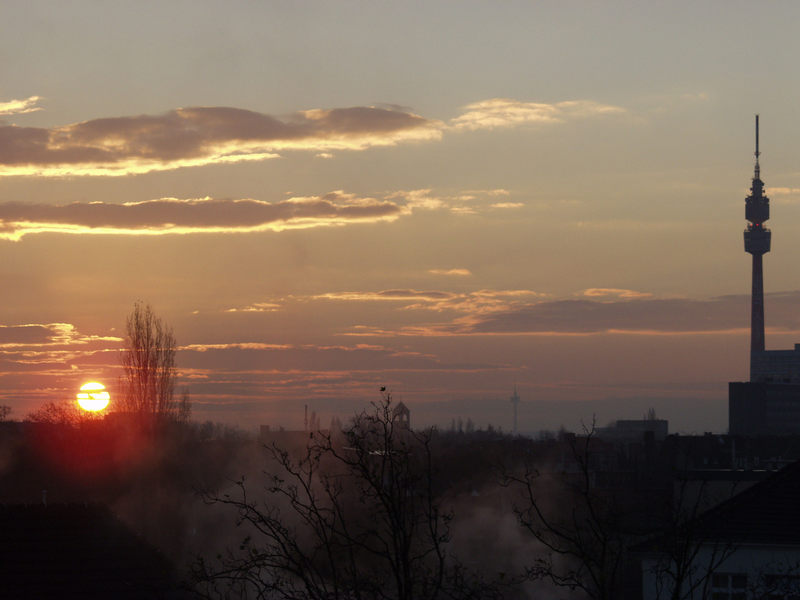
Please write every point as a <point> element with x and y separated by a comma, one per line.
<point>757,240</point>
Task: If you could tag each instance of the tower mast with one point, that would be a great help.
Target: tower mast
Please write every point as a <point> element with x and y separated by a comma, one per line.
<point>757,240</point>
<point>515,402</point>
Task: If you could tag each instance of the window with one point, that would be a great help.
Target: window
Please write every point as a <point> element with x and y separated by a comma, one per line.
<point>729,586</point>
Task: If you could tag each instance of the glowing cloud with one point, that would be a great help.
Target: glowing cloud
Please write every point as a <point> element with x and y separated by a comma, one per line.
<point>505,112</point>
<point>209,215</point>
<point>507,205</point>
<point>46,334</point>
<point>184,216</point>
<point>469,303</point>
<point>256,307</point>
<point>19,107</point>
<point>467,202</point>
<point>601,311</point>
<point>614,293</point>
<point>197,136</point>
<point>451,272</point>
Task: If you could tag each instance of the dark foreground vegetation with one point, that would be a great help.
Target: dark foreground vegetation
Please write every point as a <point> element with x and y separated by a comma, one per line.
<point>377,510</point>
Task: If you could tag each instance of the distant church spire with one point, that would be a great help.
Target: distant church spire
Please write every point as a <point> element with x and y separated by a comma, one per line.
<point>757,240</point>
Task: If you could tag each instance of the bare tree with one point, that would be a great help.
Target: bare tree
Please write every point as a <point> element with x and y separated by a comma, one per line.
<point>684,557</point>
<point>148,361</point>
<point>580,530</point>
<point>592,531</point>
<point>349,518</point>
<point>60,413</point>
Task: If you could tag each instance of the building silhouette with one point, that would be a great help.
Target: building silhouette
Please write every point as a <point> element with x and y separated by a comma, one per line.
<point>402,414</point>
<point>770,402</point>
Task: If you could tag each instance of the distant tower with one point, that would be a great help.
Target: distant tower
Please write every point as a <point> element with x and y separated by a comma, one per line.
<point>757,242</point>
<point>515,402</point>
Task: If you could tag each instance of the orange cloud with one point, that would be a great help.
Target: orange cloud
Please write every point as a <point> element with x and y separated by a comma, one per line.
<point>401,295</point>
<point>505,112</point>
<point>614,293</point>
<point>47,348</point>
<point>197,136</point>
<point>210,215</point>
<point>602,311</point>
<point>471,303</point>
<point>19,107</point>
<point>45,334</point>
<point>622,314</point>
<point>451,272</point>
<point>468,202</point>
<point>256,307</point>
<point>507,205</point>
<point>184,216</point>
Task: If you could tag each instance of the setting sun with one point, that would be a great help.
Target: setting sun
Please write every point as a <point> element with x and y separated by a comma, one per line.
<point>93,396</point>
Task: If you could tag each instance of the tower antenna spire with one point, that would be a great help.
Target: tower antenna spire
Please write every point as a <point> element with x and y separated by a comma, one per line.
<point>758,167</point>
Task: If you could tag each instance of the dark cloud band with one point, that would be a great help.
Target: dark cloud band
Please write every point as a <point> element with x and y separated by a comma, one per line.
<point>171,215</point>
<point>196,136</point>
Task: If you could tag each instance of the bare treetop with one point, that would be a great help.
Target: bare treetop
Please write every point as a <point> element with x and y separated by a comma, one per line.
<point>148,361</point>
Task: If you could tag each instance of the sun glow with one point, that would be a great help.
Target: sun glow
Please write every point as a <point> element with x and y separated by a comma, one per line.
<point>93,396</point>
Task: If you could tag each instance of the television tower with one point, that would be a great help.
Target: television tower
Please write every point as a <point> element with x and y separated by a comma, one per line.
<point>757,242</point>
<point>515,402</point>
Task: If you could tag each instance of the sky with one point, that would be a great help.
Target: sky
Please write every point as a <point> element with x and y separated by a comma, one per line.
<point>447,199</point>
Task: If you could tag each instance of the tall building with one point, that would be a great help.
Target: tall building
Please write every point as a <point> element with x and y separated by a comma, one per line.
<point>770,402</point>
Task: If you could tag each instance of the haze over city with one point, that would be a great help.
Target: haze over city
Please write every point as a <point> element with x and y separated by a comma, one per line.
<point>446,199</point>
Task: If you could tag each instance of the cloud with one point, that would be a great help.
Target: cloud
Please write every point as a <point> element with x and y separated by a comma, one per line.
<point>235,346</point>
<point>203,135</point>
<point>19,107</point>
<point>198,136</point>
<point>50,348</point>
<point>183,216</point>
<point>614,292</point>
<point>468,202</point>
<point>471,303</point>
<point>784,195</point>
<point>599,311</point>
<point>451,272</point>
<point>635,313</point>
<point>21,335</point>
<point>507,205</point>
<point>54,334</point>
<point>401,295</point>
<point>505,112</point>
<point>256,307</point>
<point>211,215</point>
